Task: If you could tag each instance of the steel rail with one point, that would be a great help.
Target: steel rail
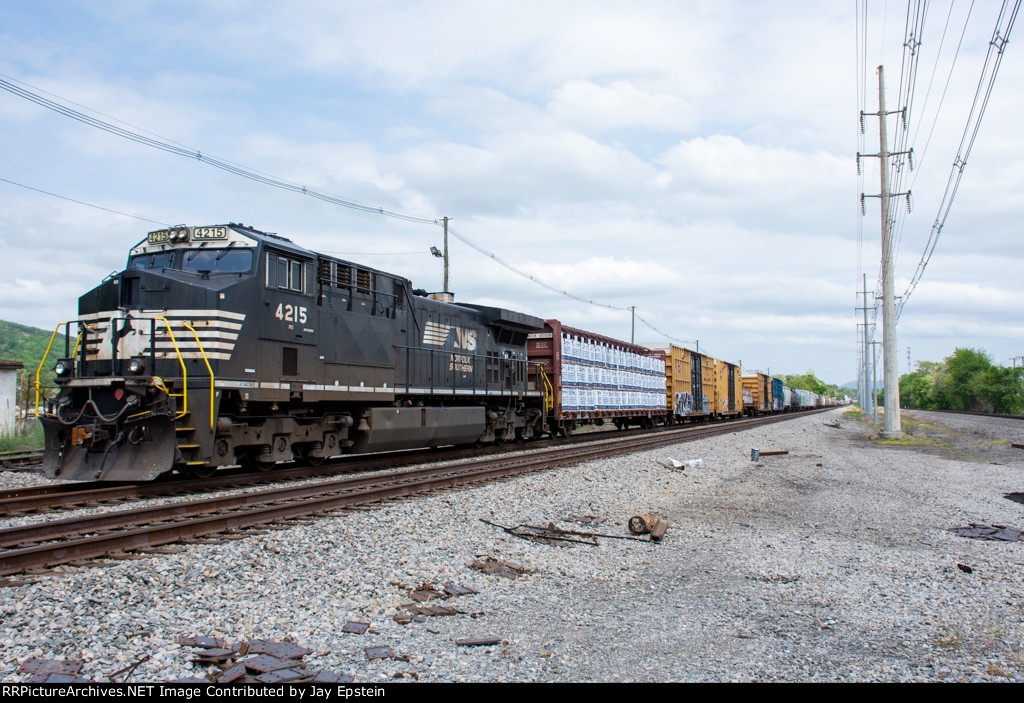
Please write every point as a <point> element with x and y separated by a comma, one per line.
<point>301,501</point>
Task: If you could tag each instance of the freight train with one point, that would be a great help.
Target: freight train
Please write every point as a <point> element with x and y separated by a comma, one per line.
<point>224,345</point>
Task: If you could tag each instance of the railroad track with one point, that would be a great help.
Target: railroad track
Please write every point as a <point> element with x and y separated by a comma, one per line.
<point>965,412</point>
<point>21,460</point>
<point>72,496</point>
<point>76,541</point>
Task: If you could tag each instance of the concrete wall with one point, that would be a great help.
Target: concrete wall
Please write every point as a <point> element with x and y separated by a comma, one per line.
<point>8,391</point>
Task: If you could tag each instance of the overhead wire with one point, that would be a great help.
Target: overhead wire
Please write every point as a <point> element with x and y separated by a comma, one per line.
<point>82,202</point>
<point>146,138</point>
<point>993,59</point>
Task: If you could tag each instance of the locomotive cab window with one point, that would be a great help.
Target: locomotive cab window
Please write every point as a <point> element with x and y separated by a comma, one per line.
<point>287,273</point>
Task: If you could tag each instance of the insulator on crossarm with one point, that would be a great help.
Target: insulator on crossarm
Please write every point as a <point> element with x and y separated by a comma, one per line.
<point>910,158</point>
<point>858,163</point>
<point>862,210</point>
<point>908,201</point>
<point>862,123</point>
<point>904,111</point>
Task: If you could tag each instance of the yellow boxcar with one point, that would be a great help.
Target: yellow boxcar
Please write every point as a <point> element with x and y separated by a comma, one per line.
<point>690,384</point>
<point>759,388</point>
<point>728,389</point>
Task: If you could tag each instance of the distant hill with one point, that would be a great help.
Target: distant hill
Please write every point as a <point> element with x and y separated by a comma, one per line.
<point>25,344</point>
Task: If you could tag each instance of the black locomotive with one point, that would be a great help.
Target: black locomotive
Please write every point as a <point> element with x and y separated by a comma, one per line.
<point>224,345</point>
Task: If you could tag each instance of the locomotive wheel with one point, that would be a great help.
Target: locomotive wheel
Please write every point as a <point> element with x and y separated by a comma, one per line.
<point>252,462</point>
<point>302,455</point>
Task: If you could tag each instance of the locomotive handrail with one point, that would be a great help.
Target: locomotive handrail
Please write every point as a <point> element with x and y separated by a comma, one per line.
<point>37,385</point>
<point>549,390</point>
<point>184,371</point>
<point>208,368</point>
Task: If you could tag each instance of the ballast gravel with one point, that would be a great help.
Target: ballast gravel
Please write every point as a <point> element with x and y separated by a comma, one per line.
<point>830,563</point>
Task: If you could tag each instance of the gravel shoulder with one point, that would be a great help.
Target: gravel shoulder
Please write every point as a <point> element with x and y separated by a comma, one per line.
<point>830,563</point>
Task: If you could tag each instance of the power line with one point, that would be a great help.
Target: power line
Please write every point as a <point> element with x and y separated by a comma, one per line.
<point>139,136</point>
<point>994,56</point>
<point>82,202</point>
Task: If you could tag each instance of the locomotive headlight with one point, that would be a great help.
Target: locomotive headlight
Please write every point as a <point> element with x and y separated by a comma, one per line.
<point>136,366</point>
<point>63,368</point>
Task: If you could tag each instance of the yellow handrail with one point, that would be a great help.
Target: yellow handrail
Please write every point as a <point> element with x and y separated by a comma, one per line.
<point>549,390</point>
<point>208,368</point>
<point>184,371</point>
<point>38,384</point>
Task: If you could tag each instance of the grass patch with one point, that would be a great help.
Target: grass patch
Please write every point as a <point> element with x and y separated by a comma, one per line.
<point>855,413</point>
<point>33,439</point>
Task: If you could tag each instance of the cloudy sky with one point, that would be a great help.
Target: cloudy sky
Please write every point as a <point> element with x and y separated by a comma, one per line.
<point>695,160</point>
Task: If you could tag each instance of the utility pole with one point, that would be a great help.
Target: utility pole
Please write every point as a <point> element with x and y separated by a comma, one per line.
<point>867,399</point>
<point>874,386</point>
<point>910,369</point>
<point>890,364</point>
<point>446,256</point>
<point>632,325</point>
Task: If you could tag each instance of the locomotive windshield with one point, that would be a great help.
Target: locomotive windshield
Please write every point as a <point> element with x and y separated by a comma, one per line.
<point>217,260</point>
<point>196,260</point>
<point>161,260</point>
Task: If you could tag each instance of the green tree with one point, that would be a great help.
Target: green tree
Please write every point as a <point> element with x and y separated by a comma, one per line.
<point>965,380</point>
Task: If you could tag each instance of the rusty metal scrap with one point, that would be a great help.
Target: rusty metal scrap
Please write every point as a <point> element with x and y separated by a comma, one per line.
<point>425,592</point>
<point>357,628</point>
<point>430,610</point>
<point>384,652</point>
<point>648,525</point>
<point>494,567</point>
<point>551,534</point>
<point>256,661</point>
<point>477,641</point>
<point>455,590</point>
<point>1001,533</point>
<point>53,671</point>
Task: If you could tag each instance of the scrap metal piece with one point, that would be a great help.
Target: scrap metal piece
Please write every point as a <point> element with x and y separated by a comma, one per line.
<point>640,524</point>
<point>455,590</point>
<point>648,524</point>
<point>477,641</point>
<point>494,567</point>
<point>425,592</point>
<point>232,673</point>
<point>331,677</point>
<point>430,610</point>
<point>281,650</point>
<point>203,642</point>
<point>267,662</point>
<point>658,529</point>
<point>1001,533</point>
<point>216,654</point>
<point>383,652</point>
<point>51,666</point>
<point>281,675</point>
<point>357,628</point>
<point>57,678</point>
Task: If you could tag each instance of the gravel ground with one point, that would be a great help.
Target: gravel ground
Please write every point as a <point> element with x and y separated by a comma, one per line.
<point>831,563</point>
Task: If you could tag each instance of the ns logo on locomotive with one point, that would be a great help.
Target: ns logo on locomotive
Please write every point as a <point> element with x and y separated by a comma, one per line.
<point>225,345</point>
